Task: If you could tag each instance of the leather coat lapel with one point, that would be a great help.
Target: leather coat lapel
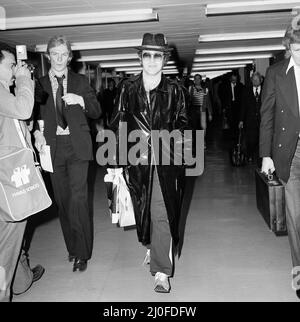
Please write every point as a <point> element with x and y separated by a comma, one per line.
<point>48,89</point>
<point>288,88</point>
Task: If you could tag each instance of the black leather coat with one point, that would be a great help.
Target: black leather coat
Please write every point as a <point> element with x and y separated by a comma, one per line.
<point>166,111</point>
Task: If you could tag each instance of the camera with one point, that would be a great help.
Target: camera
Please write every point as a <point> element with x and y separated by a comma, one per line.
<point>21,51</point>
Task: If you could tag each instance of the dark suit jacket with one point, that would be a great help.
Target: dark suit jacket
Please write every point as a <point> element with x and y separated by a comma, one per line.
<point>280,121</point>
<point>250,112</point>
<point>226,94</point>
<point>75,115</point>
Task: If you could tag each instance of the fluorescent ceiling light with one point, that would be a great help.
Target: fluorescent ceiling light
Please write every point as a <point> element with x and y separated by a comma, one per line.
<point>244,49</point>
<point>90,18</point>
<point>107,57</point>
<point>242,36</point>
<point>167,72</point>
<point>237,7</point>
<point>222,63</point>
<point>218,67</point>
<point>124,43</point>
<point>126,64</point>
<point>170,72</point>
<point>212,74</point>
<point>124,69</point>
<point>231,57</point>
<point>120,64</point>
<point>129,69</point>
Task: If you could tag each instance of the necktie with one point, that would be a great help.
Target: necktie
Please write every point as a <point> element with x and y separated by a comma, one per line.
<point>61,120</point>
<point>233,91</point>
<point>256,94</point>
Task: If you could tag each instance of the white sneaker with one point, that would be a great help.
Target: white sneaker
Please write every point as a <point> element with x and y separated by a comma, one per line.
<point>147,258</point>
<point>161,283</point>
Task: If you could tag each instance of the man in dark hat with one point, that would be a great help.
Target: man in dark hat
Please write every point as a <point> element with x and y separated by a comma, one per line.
<point>149,102</point>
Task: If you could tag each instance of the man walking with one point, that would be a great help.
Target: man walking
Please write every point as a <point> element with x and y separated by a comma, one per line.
<point>279,134</point>
<point>150,102</point>
<point>64,114</point>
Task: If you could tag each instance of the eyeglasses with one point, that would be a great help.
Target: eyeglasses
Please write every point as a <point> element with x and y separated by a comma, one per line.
<point>155,57</point>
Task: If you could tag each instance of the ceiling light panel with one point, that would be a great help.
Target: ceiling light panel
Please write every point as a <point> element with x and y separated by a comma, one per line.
<point>242,36</point>
<point>242,7</point>
<point>90,18</point>
<point>124,43</point>
<point>222,63</point>
<point>231,57</point>
<point>218,67</point>
<point>108,57</point>
<point>207,51</point>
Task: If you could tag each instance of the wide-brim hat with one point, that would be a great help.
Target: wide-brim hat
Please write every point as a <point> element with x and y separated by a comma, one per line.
<point>156,42</point>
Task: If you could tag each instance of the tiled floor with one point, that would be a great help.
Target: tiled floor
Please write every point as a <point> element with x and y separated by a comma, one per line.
<point>228,252</point>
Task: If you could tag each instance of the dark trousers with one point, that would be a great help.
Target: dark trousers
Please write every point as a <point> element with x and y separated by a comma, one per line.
<point>69,181</point>
<point>292,197</point>
<point>161,259</point>
<point>252,142</point>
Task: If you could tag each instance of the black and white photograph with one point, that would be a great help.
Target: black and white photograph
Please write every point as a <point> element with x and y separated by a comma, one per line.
<point>149,154</point>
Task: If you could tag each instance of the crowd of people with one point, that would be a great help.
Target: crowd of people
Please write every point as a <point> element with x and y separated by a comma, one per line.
<point>148,101</point>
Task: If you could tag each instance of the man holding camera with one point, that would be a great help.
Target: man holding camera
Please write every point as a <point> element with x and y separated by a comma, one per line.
<point>69,100</point>
<point>11,233</point>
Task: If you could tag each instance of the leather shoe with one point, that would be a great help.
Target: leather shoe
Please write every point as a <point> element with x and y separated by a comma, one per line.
<point>71,258</point>
<point>298,293</point>
<point>37,272</point>
<point>80,264</point>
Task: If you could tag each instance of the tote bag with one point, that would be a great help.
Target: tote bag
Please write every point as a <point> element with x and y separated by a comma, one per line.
<point>22,189</point>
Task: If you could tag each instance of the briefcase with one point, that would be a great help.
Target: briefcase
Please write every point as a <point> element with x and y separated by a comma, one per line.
<point>237,155</point>
<point>270,201</point>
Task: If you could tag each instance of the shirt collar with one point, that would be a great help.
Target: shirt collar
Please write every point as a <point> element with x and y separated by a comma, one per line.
<point>291,64</point>
<point>52,75</point>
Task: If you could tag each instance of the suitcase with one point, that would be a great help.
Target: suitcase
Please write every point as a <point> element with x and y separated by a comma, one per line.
<point>270,201</point>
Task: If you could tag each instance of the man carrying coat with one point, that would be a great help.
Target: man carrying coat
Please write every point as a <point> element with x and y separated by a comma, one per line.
<point>279,135</point>
<point>150,102</point>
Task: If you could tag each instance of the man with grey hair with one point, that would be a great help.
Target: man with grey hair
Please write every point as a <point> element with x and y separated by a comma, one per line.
<point>279,135</point>
<point>63,115</point>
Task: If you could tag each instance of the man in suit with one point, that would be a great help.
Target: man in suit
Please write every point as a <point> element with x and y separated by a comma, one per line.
<point>250,116</point>
<point>70,100</point>
<point>279,135</point>
<point>14,268</point>
<point>231,98</point>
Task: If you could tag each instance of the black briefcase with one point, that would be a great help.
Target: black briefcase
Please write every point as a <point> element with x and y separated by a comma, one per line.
<point>270,201</point>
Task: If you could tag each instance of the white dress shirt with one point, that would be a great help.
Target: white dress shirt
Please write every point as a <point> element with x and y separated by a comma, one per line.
<point>297,77</point>
<point>258,90</point>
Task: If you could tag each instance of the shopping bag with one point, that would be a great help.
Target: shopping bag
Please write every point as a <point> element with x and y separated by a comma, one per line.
<point>22,189</point>
<point>111,180</point>
<point>119,199</point>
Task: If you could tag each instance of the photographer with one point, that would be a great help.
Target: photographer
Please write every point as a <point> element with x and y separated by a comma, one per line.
<point>14,107</point>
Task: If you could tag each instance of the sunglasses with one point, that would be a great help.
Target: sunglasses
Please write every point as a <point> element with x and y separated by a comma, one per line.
<point>155,57</point>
